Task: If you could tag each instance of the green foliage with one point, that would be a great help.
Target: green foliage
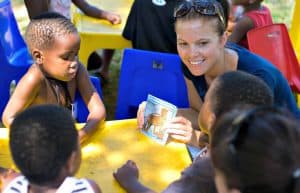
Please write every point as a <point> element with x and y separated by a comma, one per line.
<point>282,10</point>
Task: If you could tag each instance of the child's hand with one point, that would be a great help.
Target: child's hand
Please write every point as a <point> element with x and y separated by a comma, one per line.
<point>127,175</point>
<point>140,114</point>
<point>180,129</point>
<point>113,18</point>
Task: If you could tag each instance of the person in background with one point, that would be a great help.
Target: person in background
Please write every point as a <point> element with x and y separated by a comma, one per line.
<point>56,74</point>
<point>254,15</point>
<point>150,25</point>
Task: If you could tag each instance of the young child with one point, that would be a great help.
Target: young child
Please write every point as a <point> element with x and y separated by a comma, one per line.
<point>256,150</point>
<point>254,15</point>
<point>37,7</point>
<point>54,43</point>
<point>225,92</point>
<point>44,145</point>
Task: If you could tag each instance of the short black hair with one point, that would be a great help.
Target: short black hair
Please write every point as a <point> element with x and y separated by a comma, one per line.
<point>43,29</point>
<point>237,87</point>
<point>257,149</point>
<point>41,139</point>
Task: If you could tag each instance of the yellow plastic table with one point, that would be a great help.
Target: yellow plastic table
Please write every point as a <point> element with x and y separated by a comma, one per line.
<point>295,29</point>
<point>95,33</point>
<point>112,145</point>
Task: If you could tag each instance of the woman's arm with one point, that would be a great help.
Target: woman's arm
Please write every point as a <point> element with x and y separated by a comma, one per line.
<point>189,121</point>
<point>93,102</point>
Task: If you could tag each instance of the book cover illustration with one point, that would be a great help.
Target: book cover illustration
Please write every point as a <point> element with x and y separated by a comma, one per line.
<point>157,113</point>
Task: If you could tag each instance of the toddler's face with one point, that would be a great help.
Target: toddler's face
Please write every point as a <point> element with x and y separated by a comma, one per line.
<point>61,60</point>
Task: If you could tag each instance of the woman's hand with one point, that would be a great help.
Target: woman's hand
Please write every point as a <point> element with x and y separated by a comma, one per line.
<point>140,114</point>
<point>180,129</point>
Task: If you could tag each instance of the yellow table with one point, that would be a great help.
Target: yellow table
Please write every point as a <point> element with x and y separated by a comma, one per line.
<point>96,34</point>
<point>113,145</point>
<point>295,29</point>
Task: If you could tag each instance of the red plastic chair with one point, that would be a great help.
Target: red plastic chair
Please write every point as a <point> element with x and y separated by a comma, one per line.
<point>273,43</point>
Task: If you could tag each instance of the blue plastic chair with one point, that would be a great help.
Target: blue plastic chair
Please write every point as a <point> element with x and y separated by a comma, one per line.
<point>147,72</point>
<point>14,56</point>
<point>80,107</point>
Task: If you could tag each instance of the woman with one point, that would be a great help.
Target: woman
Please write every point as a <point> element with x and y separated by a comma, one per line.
<point>201,43</point>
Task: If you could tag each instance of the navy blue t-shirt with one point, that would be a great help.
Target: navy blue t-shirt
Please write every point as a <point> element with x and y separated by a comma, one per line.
<point>257,66</point>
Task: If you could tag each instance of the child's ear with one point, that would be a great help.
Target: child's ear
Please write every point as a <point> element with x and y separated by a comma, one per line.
<point>37,56</point>
<point>71,161</point>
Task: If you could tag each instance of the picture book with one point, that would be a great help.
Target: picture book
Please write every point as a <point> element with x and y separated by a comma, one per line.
<point>157,113</point>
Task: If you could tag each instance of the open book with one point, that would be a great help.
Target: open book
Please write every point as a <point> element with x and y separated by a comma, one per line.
<point>157,113</point>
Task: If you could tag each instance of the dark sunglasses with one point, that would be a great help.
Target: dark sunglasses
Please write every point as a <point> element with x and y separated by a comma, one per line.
<point>205,7</point>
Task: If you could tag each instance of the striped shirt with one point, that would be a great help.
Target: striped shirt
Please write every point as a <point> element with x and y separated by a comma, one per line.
<point>70,185</point>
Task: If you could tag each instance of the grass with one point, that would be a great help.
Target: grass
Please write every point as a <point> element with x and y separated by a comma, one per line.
<point>281,13</point>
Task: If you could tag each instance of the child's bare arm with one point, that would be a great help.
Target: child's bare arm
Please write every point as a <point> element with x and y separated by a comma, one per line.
<point>93,11</point>
<point>93,102</point>
<point>240,29</point>
<point>127,176</point>
<point>25,92</point>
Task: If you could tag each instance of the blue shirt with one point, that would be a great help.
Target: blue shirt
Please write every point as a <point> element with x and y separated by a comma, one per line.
<point>257,66</point>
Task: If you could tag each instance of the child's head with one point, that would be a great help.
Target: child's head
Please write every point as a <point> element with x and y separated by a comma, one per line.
<point>230,89</point>
<point>256,150</point>
<point>44,144</point>
<point>54,43</point>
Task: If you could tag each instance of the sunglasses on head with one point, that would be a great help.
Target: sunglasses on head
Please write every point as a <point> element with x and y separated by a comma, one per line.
<point>204,7</point>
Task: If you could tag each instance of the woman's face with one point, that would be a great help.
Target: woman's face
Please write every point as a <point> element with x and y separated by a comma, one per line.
<point>199,45</point>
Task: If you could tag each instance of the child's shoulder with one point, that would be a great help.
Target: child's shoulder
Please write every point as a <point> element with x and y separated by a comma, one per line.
<point>34,75</point>
<point>9,179</point>
<point>74,184</point>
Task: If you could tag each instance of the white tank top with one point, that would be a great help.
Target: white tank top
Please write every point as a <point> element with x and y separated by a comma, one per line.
<point>71,184</point>
<point>61,6</point>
